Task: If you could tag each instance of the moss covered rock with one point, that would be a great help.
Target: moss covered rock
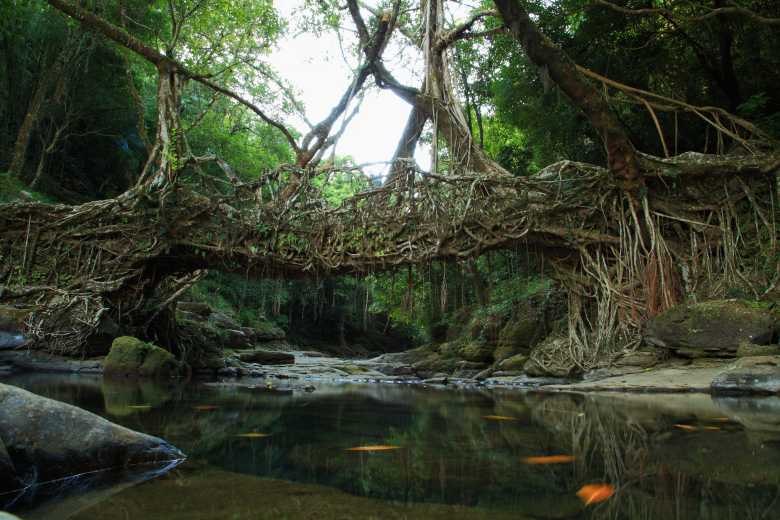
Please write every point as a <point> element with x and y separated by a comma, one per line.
<point>514,363</point>
<point>130,356</point>
<point>519,334</point>
<point>714,328</point>
<point>476,351</point>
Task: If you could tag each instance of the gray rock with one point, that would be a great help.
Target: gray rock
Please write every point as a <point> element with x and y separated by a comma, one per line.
<point>11,340</point>
<point>714,328</point>
<point>224,321</point>
<point>751,350</point>
<point>267,357</point>
<point>440,380</point>
<point>749,375</point>
<point>48,440</point>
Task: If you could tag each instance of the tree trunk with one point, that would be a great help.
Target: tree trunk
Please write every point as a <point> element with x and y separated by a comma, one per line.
<point>621,154</point>
<point>34,113</point>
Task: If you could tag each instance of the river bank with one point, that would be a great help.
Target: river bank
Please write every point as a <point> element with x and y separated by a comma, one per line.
<point>758,375</point>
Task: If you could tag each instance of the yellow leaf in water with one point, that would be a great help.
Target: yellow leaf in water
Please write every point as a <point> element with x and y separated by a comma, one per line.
<point>378,447</point>
<point>140,407</point>
<point>686,427</point>
<point>595,493</point>
<point>499,418</point>
<point>206,407</point>
<point>253,435</point>
<point>720,419</point>
<point>711,428</point>
<point>549,459</point>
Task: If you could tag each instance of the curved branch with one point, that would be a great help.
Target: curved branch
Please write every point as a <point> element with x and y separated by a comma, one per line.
<point>730,10</point>
<point>621,154</point>
<point>97,24</point>
<point>461,31</point>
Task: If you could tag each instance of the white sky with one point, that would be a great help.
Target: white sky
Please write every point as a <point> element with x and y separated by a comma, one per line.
<point>315,67</point>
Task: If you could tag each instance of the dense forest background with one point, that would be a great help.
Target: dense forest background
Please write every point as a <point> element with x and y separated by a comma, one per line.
<point>78,114</point>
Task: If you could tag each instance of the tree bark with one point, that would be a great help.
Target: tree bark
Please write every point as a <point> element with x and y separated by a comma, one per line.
<point>621,154</point>
<point>34,112</point>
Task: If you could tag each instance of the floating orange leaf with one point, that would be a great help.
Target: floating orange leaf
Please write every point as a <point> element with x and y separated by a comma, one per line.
<point>720,419</point>
<point>686,427</point>
<point>549,459</point>
<point>206,407</point>
<point>595,493</point>
<point>253,435</point>
<point>711,428</point>
<point>499,418</point>
<point>378,447</point>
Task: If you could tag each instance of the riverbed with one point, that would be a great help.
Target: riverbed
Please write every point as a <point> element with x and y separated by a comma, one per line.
<point>276,449</point>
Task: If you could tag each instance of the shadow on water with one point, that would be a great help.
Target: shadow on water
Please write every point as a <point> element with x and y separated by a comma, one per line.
<point>257,452</point>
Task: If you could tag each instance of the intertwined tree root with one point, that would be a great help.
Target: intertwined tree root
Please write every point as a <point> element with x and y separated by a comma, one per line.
<point>706,223</point>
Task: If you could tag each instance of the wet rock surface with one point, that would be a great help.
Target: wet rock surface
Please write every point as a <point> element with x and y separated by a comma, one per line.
<point>750,375</point>
<point>47,440</point>
<point>713,328</point>
<point>131,357</point>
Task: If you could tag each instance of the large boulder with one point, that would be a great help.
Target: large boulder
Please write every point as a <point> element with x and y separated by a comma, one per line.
<point>47,440</point>
<point>130,356</point>
<point>714,328</point>
<point>520,333</point>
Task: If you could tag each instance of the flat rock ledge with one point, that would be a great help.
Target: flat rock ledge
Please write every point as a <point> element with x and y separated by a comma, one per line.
<point>749,375</point>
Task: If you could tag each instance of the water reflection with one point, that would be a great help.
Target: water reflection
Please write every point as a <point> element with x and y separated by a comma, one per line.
<point>278,449</point>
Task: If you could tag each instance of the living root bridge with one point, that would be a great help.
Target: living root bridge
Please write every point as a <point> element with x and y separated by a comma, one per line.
<point>87,272</point>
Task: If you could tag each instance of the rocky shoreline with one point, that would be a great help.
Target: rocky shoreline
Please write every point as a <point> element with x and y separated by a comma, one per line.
<point>717,347</point>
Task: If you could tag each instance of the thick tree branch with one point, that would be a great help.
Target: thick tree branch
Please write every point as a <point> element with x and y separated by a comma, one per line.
<point>123,38</point>
<point>462,31</point>
<point>621,154</point>
<point>730,10</point>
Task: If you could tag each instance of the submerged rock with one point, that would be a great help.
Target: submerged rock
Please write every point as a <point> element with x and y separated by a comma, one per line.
<point>47,440</point>
<point>130,356</point>
<point>714,328</point>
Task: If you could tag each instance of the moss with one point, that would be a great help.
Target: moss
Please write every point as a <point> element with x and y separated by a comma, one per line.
<point>515,362</point>
<point>11,190</point>
<point>130,356</point>
<point>476,351</point>
<point>12,319</point>
<point>353,370</point>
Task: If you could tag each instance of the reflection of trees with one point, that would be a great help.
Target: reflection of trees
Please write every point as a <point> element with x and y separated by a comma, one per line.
<point>452,454</point>
<point>661,471</point>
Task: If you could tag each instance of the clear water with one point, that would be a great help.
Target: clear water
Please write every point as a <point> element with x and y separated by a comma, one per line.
<point>460,453</point>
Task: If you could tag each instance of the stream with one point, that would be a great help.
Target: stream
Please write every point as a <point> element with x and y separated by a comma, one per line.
<point>260,449</point>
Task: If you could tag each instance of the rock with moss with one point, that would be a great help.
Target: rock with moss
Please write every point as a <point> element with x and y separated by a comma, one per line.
<point>746,349</point>
<point>514,363</point>
<point>520,333</point>
<point>131,357</point>
<point>476,351</point>
<point>12,326</point>
<point>434,364</point>
<point>714,328</point>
